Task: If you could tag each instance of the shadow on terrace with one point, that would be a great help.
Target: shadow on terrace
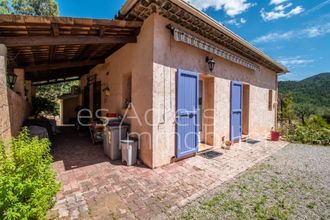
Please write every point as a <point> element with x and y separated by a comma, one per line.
<point>75,149</point>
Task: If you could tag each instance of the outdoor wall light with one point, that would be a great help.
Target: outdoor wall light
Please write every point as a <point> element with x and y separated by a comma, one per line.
<point>210,63</point>
<point>11,79</point>
<point>106,91</point>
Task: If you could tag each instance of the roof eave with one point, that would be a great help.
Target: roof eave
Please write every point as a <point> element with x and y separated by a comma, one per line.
<point>129,4</point>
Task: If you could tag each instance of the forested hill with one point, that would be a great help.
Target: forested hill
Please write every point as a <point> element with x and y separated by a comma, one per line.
<point>314,90</point>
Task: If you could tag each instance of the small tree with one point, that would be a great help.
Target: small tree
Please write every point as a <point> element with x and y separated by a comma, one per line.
<point>29,7</point>
<point>53,91</point>
<point>326,116</point>
<point>41,104</point>
<point>286,109</point>
<point>303,112</point>
<point>4,7</point>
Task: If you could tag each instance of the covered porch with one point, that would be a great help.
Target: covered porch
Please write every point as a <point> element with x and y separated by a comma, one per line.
<point>40,51</point>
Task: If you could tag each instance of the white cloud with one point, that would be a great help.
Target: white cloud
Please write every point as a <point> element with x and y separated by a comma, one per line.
<point>282,7</point>
<point>232,7</point>
<point>236,22</point>
<point>316,31</point>
<point>297,10</point>
<point>295,61</point>
<point>313,32</point>
<point>318,7</point>
<point>272,37</point>
<point>280,12</point>
<point>277,2</point>
<point>309,32</point>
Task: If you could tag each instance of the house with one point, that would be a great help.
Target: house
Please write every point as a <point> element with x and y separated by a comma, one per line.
<point>182,80</point>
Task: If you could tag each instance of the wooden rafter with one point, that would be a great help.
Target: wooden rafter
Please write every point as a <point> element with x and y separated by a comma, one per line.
<point>50,47</point>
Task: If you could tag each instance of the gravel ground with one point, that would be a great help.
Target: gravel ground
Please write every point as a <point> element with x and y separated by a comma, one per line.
<point>292,184</point>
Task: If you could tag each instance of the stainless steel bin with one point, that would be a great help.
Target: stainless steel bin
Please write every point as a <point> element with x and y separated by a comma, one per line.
<point>111,142</point>
<point>129,150</point>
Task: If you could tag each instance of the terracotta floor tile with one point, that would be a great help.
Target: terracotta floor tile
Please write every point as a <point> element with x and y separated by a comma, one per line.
<point>95,187</point>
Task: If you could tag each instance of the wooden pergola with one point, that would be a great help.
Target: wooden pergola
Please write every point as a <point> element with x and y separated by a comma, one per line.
<point>51,48</point>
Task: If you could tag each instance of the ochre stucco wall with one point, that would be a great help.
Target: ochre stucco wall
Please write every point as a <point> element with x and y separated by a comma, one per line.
<point>5,130</point>
<point>19,110</point>
<point>153,62</point>
<point>135,60</point>
<point>169,56</point>
<point>67,108</point>
<point>20,82</point>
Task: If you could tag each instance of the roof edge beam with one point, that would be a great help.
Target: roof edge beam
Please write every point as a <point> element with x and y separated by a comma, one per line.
<point>63,65</point>
<point>47,20</point>
<point>43,83</point>
<point>31,41</point>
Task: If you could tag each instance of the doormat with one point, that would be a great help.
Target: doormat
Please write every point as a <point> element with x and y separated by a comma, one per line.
<point>250,141</point>
<point>210,154</point>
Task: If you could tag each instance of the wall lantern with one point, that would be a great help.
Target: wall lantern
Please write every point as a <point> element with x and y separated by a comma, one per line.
<point>106,91</point>
<point>211,63</point>
<point>11,79</point>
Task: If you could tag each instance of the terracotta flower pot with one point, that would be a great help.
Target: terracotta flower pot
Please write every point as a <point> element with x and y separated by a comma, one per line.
<point>275,136</point>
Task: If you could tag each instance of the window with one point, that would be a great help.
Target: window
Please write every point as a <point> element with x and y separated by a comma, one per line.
<point>270,100</point>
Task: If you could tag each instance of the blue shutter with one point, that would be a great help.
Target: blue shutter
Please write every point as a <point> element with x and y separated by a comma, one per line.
<point>236,111</point>
<point>187,117</point>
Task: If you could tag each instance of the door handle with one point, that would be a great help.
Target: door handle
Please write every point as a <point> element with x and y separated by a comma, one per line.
<point>190,115</point>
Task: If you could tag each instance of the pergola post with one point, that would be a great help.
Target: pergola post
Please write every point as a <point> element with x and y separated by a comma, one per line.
<point>33,91</point>
<point>5,127</point>
<point>28,86</point>
<point>19,85</point>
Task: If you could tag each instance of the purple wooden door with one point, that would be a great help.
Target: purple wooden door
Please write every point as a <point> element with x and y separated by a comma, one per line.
<point>236,111</point>
<point>187,113</point>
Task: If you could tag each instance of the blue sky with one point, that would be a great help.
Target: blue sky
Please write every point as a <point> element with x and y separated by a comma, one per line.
<point>293,32</point>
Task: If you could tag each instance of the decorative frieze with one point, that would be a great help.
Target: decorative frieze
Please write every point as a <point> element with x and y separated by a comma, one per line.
<point>187,38</point>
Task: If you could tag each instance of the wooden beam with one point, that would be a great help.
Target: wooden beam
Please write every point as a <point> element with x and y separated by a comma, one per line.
<point>31,41</point>
<point>42,83</point>
<point>44,20</point>
<point>56,74</point>
<point>101,31</point>
<point>55,30</point>
<point>63,65</point>
<point>52,49</point>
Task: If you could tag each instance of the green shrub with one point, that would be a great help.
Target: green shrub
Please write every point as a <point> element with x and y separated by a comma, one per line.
<point>44,105</point>
<point>27,180</point>
<point>316,131</point>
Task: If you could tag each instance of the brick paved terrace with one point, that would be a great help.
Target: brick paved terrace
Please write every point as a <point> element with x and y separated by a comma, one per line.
<point>93,187</point>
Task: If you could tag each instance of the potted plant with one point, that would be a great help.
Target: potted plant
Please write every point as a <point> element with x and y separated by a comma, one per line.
<point>274,135</point>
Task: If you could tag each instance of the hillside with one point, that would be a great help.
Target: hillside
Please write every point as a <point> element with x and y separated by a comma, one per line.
<point>314,90</point>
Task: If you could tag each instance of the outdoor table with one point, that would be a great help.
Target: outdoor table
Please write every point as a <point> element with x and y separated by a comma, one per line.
<point>37,131</point>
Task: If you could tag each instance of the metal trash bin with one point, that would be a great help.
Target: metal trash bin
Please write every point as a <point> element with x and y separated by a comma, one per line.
<point>128,151</point>
<point>111,140</point>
